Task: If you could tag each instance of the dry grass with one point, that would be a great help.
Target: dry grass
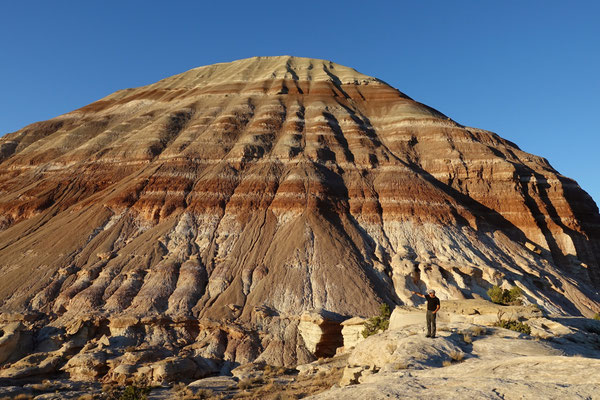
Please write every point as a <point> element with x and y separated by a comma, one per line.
<point>457,356</point>
<point>285,396</point>
<point>467,338</point>
<point>397,366</point>
<point>182,392</point>
<point>250,383</point>
<point>478,330</point>
<point>284,387</point>
<point>270,370</point>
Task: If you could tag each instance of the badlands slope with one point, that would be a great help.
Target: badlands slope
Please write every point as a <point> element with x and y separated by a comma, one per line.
<point>218,205</point>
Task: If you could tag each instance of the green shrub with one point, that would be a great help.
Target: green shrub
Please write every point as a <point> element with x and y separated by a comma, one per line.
<point>505,296</point>
<point>597,317</point>
<point>513,325</point>
<point>378,323</point>
<point>135,393</point>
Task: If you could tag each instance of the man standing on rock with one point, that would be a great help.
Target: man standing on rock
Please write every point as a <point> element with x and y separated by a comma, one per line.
<point>433,306</point>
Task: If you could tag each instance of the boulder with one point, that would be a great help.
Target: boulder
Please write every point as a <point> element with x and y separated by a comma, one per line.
<point>406,348</point>
<point>352,331</point>
<point>87,366</point>
<point>350,375</point>
<point>322,332</point>
<point>175,370</point>
<point>33,365</point>
<point>14,341</point>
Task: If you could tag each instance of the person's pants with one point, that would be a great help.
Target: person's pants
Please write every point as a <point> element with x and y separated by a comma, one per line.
<point>431,323</point>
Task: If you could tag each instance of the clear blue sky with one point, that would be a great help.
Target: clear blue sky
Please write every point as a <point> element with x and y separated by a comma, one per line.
<point>527,70</point>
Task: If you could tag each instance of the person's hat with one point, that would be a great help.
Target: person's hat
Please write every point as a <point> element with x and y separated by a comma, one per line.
<point>431,291</point>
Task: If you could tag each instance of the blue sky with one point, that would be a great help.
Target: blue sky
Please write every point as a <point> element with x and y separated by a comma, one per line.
<point>527,70</point>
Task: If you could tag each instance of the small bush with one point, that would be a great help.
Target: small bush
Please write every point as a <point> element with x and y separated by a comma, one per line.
<point>285,396</point>
<point>513,325</point>
<point>182,392</point>
<point>597,317</point>
<point>250,383</point>
<point>467,338</point>
<point>378,323</point>
<point>505,296</point>
<point>135,393</point>
<point>457,356</point>
<point>391,347</point>
<point>447,363</point>
<point>478,330</point>
<point>244,384</point>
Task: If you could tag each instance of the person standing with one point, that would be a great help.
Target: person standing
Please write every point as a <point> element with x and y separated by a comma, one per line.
<point>433,306</point>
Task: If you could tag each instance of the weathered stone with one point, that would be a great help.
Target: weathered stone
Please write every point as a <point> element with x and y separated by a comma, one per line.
<point>37,364</point>
<point>175,369</point>
<point>322,333</point>
<point>14,342</point>
<point>352,331</point>
<point>87,366</point>
<point>351,375</point>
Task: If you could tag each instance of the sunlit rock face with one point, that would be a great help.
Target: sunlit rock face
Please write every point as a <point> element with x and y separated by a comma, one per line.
<point>252,191</point>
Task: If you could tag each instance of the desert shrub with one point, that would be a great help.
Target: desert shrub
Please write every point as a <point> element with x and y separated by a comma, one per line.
<point>249,383</point>
<point>378,323</point>
<point>478,330</point>
<point>257,380</point>
<point>512,324</point>
<point>447,363</point>
<point>132,392</point>
<point>457,355</point>
<point>391,347</point>
<point>285,396</point>
<point>269,389</point>
<point>244,384</point>
<point>505,296</point>
<point>467,338</point>
<point>182,392</point>
<point>597,317</point>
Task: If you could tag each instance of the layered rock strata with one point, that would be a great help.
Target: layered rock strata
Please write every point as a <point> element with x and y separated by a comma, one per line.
<point>243,194</point>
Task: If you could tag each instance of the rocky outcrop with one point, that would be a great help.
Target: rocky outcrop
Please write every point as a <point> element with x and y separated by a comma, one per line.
<point>352,329</point>
<point>322,333</point>
<point>216,206</point>
<point>472,360</point>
